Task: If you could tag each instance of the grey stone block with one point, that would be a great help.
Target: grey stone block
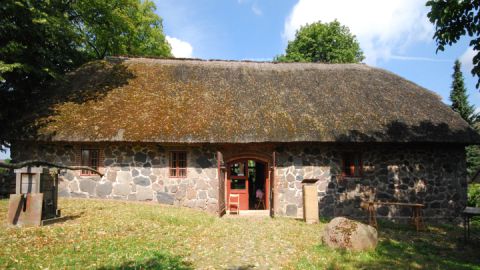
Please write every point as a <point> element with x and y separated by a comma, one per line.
<point>104,189</point>
<point>87,185</point>
<point>201,184</point>
<point>112,176</point>
<point>165,198</point>
<point>121,189</point>
<point>108,162</point>
<point>72,185</point>
<point>204,162</point>
<point>64,193</point>
<point>213,193</point>
<point>202,194</point>
<point>78,195</point>
<point>181,192</point>
<point>141,180</point>
<point>190,204</point>
<point>140,157</point>
<point>146,171</point>
<point>173,189</point>
<point>144,193</point>
<point>124,177</point>
<point>291,210</point>
<point>200,204</point>
<point>69,176</point>
<point>158,187</point>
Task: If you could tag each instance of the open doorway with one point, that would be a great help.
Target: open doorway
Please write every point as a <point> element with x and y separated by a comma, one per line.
<point>256,189</point>
<point>248,180</point>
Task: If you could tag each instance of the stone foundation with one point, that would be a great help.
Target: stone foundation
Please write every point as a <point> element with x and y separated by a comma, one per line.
<point>135,172</point>
<point>434,175</point>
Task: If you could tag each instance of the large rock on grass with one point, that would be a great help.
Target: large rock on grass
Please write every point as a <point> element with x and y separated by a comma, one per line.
<point>348,234</point>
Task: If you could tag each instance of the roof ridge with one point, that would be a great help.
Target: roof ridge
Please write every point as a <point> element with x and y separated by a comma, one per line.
<point>179,59</point>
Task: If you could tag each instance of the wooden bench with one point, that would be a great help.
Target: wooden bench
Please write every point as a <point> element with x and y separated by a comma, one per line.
<point>417,218</point>
<point>468,213</point>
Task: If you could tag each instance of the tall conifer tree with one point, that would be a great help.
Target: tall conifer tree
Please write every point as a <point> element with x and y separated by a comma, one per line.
<point>460,104</point>
<point>459,97</point>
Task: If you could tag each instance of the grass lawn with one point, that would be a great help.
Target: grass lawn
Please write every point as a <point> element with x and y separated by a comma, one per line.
<point>103,234</point>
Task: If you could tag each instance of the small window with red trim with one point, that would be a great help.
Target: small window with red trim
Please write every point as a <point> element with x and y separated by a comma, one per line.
<point>178,164</point>
<point>352,164</point>
<point>89,158</point>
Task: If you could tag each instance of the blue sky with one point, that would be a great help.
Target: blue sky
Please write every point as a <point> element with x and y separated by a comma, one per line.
<point>395,34</point>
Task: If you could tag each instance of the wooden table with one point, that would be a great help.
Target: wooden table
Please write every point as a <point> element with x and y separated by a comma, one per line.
<point>467,214</point>
<point>417,218</point>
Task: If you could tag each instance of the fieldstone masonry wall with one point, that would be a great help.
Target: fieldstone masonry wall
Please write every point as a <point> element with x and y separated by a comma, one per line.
<point>434,175</point>
<point>431,175</point>
<point>136,172</point>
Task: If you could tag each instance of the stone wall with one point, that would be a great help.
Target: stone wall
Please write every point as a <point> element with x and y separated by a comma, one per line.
<point>432,175</point>
<point>134,172</point>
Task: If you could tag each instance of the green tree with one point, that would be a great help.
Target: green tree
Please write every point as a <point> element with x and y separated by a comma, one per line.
<point>4,170</point>
<point>454,19</point>
<point>42,40</point>
<point>37,44</point>
<point>119,27</point>
<point>323,42</point>
<point>460,104</point>
<point>459,97</point>
<point>473,159</point>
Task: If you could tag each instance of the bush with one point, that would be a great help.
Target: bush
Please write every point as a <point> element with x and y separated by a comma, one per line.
<point>474,195</point>
<point>3,170</point>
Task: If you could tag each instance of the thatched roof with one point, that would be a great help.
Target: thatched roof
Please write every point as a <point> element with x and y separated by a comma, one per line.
<point>195,101</point>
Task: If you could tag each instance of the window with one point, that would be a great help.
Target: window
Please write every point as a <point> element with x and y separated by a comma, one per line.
<point>352,165</point>
<point>178,164</point>
<point>238,184</point>
<point>89,158</point>
<point>237,169</point>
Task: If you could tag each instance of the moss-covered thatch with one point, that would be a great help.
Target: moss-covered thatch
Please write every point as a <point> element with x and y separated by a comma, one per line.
<point>155,100</point>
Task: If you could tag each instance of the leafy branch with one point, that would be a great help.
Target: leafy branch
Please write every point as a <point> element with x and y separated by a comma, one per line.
<point>26,163</point>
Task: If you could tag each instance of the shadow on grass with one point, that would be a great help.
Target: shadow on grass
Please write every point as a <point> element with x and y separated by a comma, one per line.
<point>242,267</point>
<point>61,219</point>
<point>439,247</point>
<point>401,247</point>
<point>157,261</point>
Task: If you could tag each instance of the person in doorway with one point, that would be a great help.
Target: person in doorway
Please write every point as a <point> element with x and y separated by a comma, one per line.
<point>259,197</point>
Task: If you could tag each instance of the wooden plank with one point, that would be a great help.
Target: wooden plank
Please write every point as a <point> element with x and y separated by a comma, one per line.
<point>400,204</point>
<point>25,209</point>
<point>471,211</point>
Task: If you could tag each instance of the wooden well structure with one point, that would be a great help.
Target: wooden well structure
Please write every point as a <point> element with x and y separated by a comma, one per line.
<point>35,201</point>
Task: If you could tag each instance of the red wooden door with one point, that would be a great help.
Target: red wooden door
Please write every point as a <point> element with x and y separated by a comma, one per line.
<point>237,182</point>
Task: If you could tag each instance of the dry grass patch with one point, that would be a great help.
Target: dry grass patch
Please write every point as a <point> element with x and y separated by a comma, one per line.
<point>105,234</point>
<point>114,234</point>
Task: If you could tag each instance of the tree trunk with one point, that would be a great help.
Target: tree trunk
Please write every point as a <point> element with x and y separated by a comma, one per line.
<point>47,164</point>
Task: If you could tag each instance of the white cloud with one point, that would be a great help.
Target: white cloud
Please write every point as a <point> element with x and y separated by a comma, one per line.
<point>418,58</point>
<point>467,59</point>
<point>383,28</point>
<point>256,10</point>
<point>180,48</point>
